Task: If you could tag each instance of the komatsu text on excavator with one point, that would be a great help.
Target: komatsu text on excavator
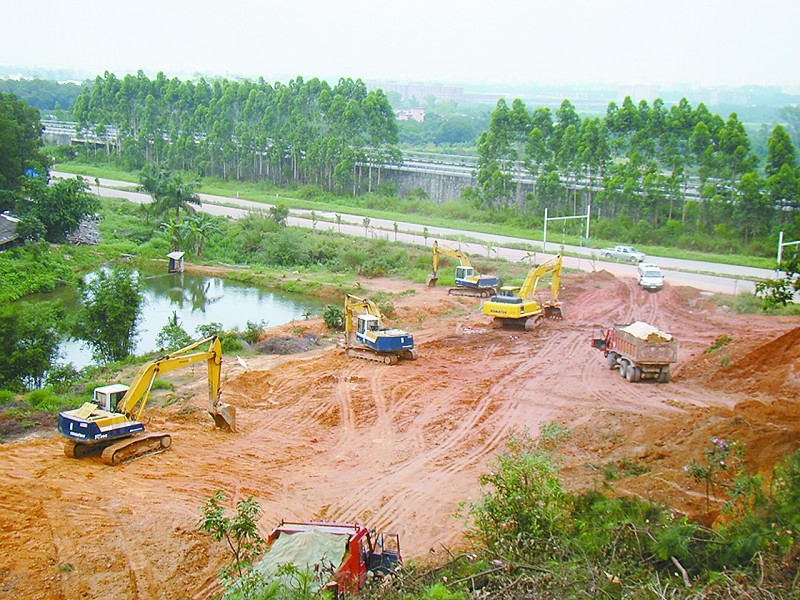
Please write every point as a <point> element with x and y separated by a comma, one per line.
<point>468,282</point>
<point>112,423</point>
<point>366,337</point>
<point>512,305</point>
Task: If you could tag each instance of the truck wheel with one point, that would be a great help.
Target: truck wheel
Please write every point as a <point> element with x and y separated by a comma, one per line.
<point>630,374</point>
<point>611,359</point>
<point>663,375</point>
<point>623,368</point>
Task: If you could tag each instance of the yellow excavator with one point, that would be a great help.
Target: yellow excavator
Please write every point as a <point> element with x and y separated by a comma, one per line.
<point>513,307</point>
<point>112,422</point>
<point>366,337</point>
<point>468,282</point>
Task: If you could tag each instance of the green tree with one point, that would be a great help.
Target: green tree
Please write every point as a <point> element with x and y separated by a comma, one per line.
<point>173,336</point>
<point>30,338</point>
<point>780,151</point>
<point>112,306</point>
<point>20,147</point>
<point>279,213</point>
<point>168,189</point>
<point>239,532</point>
<point>57,209</point>
<point>524,506</point>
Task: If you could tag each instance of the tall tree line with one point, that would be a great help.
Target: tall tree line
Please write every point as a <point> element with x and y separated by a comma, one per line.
<point>303,132</point>
<point>638,162</point>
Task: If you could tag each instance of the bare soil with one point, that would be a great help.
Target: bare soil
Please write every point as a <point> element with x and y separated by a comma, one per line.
<point>325,437</point>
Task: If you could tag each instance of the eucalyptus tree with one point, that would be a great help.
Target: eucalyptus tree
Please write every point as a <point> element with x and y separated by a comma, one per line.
<point>780,151</point>
<point>502,146</point>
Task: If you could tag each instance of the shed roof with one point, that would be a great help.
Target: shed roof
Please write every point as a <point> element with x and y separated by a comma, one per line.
<point>8,228</point>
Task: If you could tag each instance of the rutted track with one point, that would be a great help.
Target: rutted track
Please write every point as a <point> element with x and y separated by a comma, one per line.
<point>396,447</point>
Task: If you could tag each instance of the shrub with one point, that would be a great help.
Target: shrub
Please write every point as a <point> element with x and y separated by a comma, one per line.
<point>525,505</point>
<point>333,317</point>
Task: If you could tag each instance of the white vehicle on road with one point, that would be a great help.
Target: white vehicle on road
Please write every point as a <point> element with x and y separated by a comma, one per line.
<point>650,277</point>
<point>626,253</point>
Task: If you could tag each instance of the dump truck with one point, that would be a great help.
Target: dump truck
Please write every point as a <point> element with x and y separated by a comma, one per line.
<point>339,556</point>
<point>639,351</point>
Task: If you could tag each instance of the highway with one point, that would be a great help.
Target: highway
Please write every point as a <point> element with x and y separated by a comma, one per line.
<point>710,277</point>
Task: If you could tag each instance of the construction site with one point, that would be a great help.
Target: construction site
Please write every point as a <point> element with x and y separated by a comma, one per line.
<point>323,436</point>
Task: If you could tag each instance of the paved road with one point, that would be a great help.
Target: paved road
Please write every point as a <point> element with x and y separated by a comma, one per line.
<point>706,276</point>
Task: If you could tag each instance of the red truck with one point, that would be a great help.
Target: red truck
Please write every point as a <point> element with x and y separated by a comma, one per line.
<point>339,555</point>
<point>639,350</point>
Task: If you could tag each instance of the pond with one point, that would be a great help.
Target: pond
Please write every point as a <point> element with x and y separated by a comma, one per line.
<point>196,300</point>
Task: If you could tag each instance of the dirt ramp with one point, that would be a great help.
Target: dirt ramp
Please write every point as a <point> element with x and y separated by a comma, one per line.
<point>772,369</point>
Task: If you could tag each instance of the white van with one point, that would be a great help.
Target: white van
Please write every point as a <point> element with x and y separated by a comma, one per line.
<point>650,277</point>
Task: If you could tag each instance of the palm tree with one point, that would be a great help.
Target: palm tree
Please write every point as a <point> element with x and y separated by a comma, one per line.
<point>203,226</point>
<point>168,190</point>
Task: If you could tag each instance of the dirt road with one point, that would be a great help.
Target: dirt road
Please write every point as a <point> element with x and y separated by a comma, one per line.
<point>330,438</point>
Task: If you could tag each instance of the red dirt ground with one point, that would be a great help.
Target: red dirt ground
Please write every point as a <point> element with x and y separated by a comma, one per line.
<point>399,447</point>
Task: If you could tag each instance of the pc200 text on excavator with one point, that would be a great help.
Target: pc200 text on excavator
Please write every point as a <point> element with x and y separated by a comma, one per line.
<point>117,430</point>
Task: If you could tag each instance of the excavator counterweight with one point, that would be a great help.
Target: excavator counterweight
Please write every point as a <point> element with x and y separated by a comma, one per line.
<point>111,424</point>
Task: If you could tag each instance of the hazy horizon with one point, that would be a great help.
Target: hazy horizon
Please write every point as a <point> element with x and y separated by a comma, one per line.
<point>511,43</point>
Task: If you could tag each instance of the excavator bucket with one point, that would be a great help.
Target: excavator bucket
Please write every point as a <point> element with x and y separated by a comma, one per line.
<point>224,416</point>
<point>431,280</point>
<point>553,311</point>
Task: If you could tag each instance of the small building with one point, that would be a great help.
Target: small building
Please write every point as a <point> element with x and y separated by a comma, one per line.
<point>175,262</point>
<point>410,114</point>
<point>8,230</point>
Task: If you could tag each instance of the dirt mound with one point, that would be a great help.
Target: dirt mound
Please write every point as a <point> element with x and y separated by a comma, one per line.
<point>325,437</point>
<point>289,345</point>
<point>772,369</point>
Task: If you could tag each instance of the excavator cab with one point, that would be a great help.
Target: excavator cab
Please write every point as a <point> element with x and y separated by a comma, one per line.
<point>509,295</point>
<point>365,323</point>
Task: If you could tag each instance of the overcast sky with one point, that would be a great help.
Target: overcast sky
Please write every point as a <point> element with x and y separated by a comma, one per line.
<point>628,42</point>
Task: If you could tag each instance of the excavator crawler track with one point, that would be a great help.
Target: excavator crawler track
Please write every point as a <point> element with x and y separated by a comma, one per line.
<point>387,359</point>
<point>136,447</point>
<point>473,292</point>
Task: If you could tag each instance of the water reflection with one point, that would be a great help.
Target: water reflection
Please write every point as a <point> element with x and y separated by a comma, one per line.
<point>196,300</point>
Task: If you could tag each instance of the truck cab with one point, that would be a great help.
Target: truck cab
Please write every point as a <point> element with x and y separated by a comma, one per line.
<point>650,277</point>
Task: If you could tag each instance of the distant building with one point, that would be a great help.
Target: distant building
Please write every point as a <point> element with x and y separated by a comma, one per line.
<point>410,114</point>
<point>8,230</point>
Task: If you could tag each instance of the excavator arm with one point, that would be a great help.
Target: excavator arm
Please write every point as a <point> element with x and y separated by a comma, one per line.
<point>353,305</point>
<point>135,399</point>
<point>550,266</point>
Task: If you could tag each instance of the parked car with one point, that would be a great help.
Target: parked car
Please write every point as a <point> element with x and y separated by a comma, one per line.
<point>626,253</point>
<point>650,277</point>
